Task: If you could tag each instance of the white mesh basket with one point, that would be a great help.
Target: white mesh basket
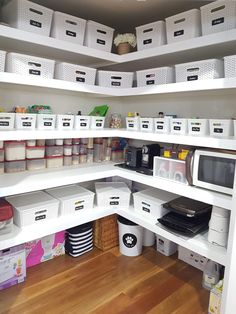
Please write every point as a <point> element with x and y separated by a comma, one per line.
<point>68,27</point>
<point>115,79</point>
<point>75,73</point>
<point>2,60</point>
<point>27,16</point>
<point>29,65</point>
<point>156,76</point>
<point>199,70</point>
<point>218,16</point>
<point>230,66</point>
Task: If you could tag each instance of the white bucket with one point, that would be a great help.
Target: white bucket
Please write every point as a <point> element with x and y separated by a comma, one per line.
<point>148,238</point>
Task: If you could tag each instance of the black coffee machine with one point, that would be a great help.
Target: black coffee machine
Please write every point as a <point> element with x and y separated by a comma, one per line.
<point>133,157</point>
<point>148,154</point>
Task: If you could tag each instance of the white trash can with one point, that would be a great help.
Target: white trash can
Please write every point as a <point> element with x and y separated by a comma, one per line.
<point>148,237</point>
<point>130,237</point>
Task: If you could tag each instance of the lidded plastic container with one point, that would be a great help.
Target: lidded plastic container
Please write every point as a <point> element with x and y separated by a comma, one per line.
<point>35,152</point>
<point>6,217</point>
<point>14,150</point>
<point>54,162</point>
<point>14,166</point>
<point>54,151</point>
<point>36,164</point>
<point>1,155</point>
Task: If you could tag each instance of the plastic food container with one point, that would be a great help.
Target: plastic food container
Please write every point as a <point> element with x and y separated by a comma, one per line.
<point>83,158</point>
<point>14,166</point>
<point>25,121</point>
<point>14,150</point>
<point>7,120</point>
<point>40,143</point>
<point>1,144</point>
<point>54,162</point>
<point>65,122</point>
<point>58,142</point>
<point>75,149</point>
<point>90,153</point>
<point>75,160</point>
<point>54,151</point>
<point>32,143</point>
<point>76,141</point>
<point>67,161</point>
<point>36,164</point>
<point>1,154</point>
<point>67,141</point>
<point>51,142</point>
<point>46,121</point>
<point>82,122</point>
<point>67,150</point>
<point>1,167</point>
<point>6,217</point>
<point>35,152</point>
<point>115,79</point>
<point>151,35</point>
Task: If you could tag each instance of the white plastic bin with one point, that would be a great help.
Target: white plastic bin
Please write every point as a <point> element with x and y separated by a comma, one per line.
<point>148,237</point>
<point>151,35</point>
<point>46,121</point>
<point>198,127</point>
<point>192,258</point>
<point>98,36</point>
<point>97,122</point>
<point>146,124</point>
<point>199,70</point>
<point>64,122</point>
<point>2,60</point>
<point>25,121</point>
<point>132,123</point>
<point>67,27</point>
<point>165,246</point>
<point>155,76</point>
<point>29,65</point>
<point>27,16</point>
<point>221,127</point>
<point>75,73</point>
<point>230,66</point>
<point>7,121</point>
<point>130,237</point>
<point>183,26</point>
<point>218,16</point>
<point>115,79</point>
<point>162,125</point>
<point>82,122</point>
<point>179,126</point>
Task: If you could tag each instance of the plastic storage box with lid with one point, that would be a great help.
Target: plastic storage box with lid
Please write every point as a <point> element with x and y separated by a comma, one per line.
<point>25,121</point>
<point>27,16</point>
<point>35,207</point>
<point>219,226</point>
<point>115,79</point>
<point>7,120</point>
<point>82,122</point>
<point>98,36</point>
<point>151,35</point>
<point>230,66</point>
<point>1,167</point>
<point>179,126</point>
<point>73,198</point>
<point>162,125</point>
<point>36,164</point>
<point>218,16</point>
<point>14,166</point>
<point>6,217</point>
<point>165,246</point>
<point>155,76</point>
<point>149,202</point>
<point>35,152</point>
<point>54,151</point>
<point>97,122</point>
<point>46,121</point>
<point>198,126</point>
<point>221,127</point>
<point>2,60</point>
<point>112,195</point>
<point>132,123</point>
<point>54,162</point>
<point>75,73</point>
<point>68,27</point>
<point>199,70</point>
<point>14,150</point>
<point>65,122</point>
<point>1,154</point>
<point>29,65</point>
<point>146,124</point>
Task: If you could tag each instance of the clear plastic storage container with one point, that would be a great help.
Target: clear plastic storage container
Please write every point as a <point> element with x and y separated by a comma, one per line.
<point>1,167</point>
<point>54,151</point>
<point>35,152</point>
<point>54,162</point>
<point>15,166</point>
<point>14,150</point>
<point>36,164</point>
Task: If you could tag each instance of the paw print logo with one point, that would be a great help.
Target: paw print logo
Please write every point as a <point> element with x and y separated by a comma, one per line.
<point>129,240</point>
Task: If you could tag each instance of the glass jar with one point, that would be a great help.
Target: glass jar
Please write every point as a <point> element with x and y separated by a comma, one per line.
<point>116,121</point>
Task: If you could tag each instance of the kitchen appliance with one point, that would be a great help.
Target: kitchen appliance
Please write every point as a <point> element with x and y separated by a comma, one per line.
<point>133,158</point>
<point>148,153</point>
<point>219,226</point>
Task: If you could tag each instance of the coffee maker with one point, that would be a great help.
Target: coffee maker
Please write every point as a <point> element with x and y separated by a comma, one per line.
<point>148,153</point>
<point>133,157</point>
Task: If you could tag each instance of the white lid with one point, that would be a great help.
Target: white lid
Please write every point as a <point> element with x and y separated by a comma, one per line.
<point>111,187</point>
<point>99,25</point>
<point>67,192</point>
<point>155,195</point>
<point>221,212</point>
<point>27,201</point>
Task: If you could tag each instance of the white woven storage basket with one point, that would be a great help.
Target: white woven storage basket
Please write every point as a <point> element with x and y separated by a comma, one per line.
<point>2,60</point>
<point>151,35</point>
<point>230,66</point>
<point>155,76</point>
<point>115,79</point>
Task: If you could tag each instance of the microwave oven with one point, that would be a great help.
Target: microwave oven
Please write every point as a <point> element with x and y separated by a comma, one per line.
<point>213,170</point>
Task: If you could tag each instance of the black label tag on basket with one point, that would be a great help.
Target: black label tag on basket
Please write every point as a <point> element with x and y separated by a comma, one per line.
<point>70,33</point>
<point>179,33</point>
<point>41,217</point>
<point>196,129</point>
<point>115,83</point>
<point>83,124</point>
<point>101,42</point>
<point>177,128</point>
<point>26,123</point>
<point>220,20</point>
<point>150,82</point>
<point>218,130</point>
<point>4,123</point>
<point>80,79</point>
<point>160,127</point>
<point>34,72</point>
<point>131,125</point>
<point>145,126</point>
<point>35,23</point>
<point>192,78</point>
<point>47,123</point>
<point>147,41</point>
<point>79,207</point>
<point>114,203</point>
<point>66,124</point>
<point>145,209</point>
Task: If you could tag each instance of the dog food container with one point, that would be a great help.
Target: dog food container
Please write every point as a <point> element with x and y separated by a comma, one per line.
<point>1,154</point>
<point>36,164</point>
<point>98,36</point>
<point>73,198</point>
<point>199,70</point>
<point>179,126</point>
<point>46,121</point>
<point>14,166</point>
<point>7,121</point>
<point>1,167</point>
<point>14,150</point>
<point>54,151</point>
<point>65,122</point>
<point>198,127</point>
<point>162,125</point>
<point>221,127</point>
<point>35,152</point>
<point>155,76</point>
<point>34,207</point>
<point>147,124</point>
<point>2,60</point>
<point>115,79</point>
<point>25,121</point>
<point>165,246</point>
<point>218,16</point>
<point>54,162</point>
<point>183,26</point>
<point>29,65</point>
<point>97,122</point>
<point>6,217</point>
<point>27,16</point>
<point>82,122</point>
<point>75,73</point>
<point>67,27</point>
<point>132,123</point>
<point>230,66</point>
<point>151,35</point>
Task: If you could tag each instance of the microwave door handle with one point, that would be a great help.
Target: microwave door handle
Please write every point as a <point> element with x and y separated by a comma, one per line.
<point>189,167</point>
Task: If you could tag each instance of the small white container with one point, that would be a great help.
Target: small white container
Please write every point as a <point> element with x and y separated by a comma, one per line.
<point>31,208</point>
<point>179,126</point>
<point>14,166</point>
<point>73,199</point>
<point>115,79</point>
<point>25,121</point>
<point>132,123</point>
<point>219,224</point>
<point>27,16</point>
<point>54,162</point>
<point>67,150</point>
<point>46,121</point>
<point>32,143</point>
<point>67,27</point>
<point>218,16</point>
<point>155,76</point>
<point>98,36</point>
<point>29,65</point>
<point>57,142</point>
<point>51,142</point>
<point>7,121</point>
<point>64,122</point>
<point>97,122</point>
<point>35,152</point>
<point>35,164</point>
<point>200,70</point>
<point>2,60</point>
<point>217,238</point>
<point>82,122</point>
<point>1,167</point>
<point>198,127</point>
<point>162,125</point>
<point>148,237</point>
<point>221,127</point>
<point>75,73</point>
<point>165,246</point>
<point>230,66</point>
<point>67,141</point>
<point>112,194</point>
<point>146,124</point>
<point>151,35</point>
<point>183,26</point>
<point>54,151</point>
<point>14,150</point>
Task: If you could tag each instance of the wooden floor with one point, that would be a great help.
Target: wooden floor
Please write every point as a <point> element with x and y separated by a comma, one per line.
<point>107,283</point>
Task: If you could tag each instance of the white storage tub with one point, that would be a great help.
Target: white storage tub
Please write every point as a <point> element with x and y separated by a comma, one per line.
<point>183,26</point>
<point>14,150</point>
<point>36,164</point>
<point>115,79</point>
<point>25,121</point>
<point>192,258</point>
<point>31,208</point>
<point>199,70</point>
<point>46,121</point>
<point>155,76</point>
<point>198,127</point>
<point>165,246</point>
<point>146,124</point>
<point>67,27</point>
<point>221,127</point>
<point>151,35</point>
<point>65,122</point>
<point>27,16</point>
<point>35,152</point>
<point>230,66</point>
<point>75,73</point>
<point>218,16</point>
<point>82,122</point>
<point>7,121</point>
<point>179,126</point>
<point>73,199</point>
<point>97,122</point>
<point>29,65</point>
<point>132,123</point>
<point>2,60</point>
<point>98,36</point>
<point>112,195</point>
<point>162,125</point>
